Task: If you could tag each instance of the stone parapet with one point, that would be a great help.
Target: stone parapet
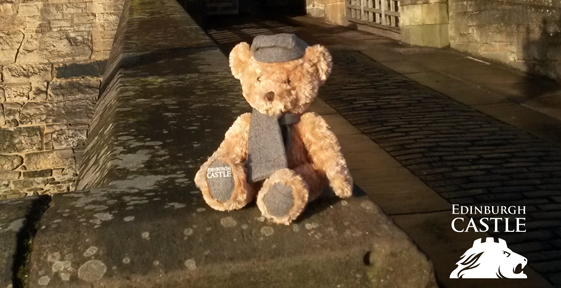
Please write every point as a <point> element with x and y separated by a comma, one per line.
<point>167,100</point>
<point>519,34</point>
<point>51,59</point>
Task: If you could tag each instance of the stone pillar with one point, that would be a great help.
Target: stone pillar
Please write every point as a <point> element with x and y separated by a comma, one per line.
<point>333,11</point>
<point>50,70</point>
<point>424,22</point>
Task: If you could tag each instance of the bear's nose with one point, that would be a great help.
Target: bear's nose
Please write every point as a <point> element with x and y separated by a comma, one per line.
<point>270,96</point>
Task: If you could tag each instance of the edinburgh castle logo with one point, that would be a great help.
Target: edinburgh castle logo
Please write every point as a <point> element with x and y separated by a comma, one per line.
<point>489,257</point>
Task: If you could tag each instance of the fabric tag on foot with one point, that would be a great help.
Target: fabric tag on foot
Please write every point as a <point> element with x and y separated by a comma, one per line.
<point>220,181</point>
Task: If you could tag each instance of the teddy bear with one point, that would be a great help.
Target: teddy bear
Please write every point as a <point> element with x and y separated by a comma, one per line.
<point>278,154</point>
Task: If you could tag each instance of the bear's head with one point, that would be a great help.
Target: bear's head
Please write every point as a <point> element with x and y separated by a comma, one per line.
<point>280,73</point>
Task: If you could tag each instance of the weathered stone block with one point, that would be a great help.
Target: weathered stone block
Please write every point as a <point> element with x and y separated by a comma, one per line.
<point>38,91</point>
<point>411,35</point>
<point>60,23</point>
<point>73,8</point>
<point>9,175</point>
<point>69,138</point>
<point>38,174</point>
<point>36,112</point>
<point>7,9</point>
<point>315,10</point>
<point>91,69</point>
<point>112,6</point>
<point>17,92</point>
<point>499,56</point>
<point>426,35</point>
<point>2,117</point>
<point>10,42</point>
<point>83,17</point>
<point>111,20</point>
<point>52,10</point>
<point>48,145</point>
<point>10,162</point>
<point>100,54</point>
<point>335,13</point>
<point>12,23</point>
<point>2,96</point>
<point>30,9</point>
<point>21,139</point>
<point>26,184</point>
<point>96,7</point>
<point>405,34</point>
<point>435,13</point>
<point>411,15</point>
<point>12,111</point>
<point>74,111</point>
<point>471,48</point>
<point>56,45</point>
<point>4,187</point>
<point>50,159</point>
<point>16,73</point>
<point>74,89</point>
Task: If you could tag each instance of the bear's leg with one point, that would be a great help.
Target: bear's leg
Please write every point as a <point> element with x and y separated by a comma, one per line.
<point>283,196</point>
<point>223,184</point>
<point>316,181</point>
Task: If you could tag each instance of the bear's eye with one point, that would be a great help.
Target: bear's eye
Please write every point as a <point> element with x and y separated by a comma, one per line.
<point>506,253</point>
<point>258,78</point>
<point>287,81</point>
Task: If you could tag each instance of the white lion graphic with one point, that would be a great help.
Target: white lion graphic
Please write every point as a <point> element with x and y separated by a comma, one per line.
<point>490,258</point>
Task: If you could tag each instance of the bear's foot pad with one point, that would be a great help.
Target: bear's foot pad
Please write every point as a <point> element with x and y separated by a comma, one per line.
<point>279,200</point>
<point>220,181</point>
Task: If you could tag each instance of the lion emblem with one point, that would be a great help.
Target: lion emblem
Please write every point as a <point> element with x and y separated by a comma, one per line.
<point>490,258</point>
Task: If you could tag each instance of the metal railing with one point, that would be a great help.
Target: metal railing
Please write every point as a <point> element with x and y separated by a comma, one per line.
<point>381,12</point>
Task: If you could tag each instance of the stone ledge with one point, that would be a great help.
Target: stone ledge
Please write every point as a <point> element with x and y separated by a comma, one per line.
<point>349,243</point>
<point>139,219</point>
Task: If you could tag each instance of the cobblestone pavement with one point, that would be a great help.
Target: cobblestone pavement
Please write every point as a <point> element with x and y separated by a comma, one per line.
<point>469,158</point>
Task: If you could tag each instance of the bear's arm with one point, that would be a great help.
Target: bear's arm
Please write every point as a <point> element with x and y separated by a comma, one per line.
<point>234,145</point>
<point>233,148</point>
<point>325,152</point>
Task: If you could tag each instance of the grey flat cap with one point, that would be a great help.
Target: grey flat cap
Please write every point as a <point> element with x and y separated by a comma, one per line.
<point>278,48</point>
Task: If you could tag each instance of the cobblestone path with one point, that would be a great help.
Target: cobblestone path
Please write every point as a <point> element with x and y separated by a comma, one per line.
<point>469,158</point>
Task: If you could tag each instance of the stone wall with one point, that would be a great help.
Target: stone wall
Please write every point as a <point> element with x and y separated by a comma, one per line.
<point>525,34</point>
<point>51,58</point>
<point>424,22</point>
<point>333,11</point>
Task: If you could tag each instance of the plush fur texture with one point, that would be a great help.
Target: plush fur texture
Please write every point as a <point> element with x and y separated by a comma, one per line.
<point>314,157</point>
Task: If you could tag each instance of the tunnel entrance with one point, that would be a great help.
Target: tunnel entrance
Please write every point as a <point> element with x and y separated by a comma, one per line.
<point>208,13</point>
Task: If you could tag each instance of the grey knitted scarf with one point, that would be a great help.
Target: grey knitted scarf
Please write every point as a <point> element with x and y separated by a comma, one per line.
<point>268,141</point>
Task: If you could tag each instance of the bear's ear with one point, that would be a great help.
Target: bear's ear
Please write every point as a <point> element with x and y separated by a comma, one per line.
<point>317,57</point>
<point>239,59</point>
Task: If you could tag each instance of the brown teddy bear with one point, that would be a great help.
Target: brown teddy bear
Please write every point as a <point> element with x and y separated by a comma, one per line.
<point>277,152</point>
